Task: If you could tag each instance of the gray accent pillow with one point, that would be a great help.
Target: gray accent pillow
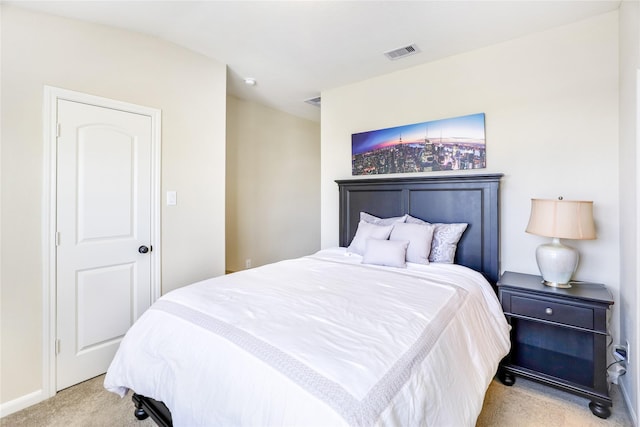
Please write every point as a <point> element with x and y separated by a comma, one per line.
<point>445,239</point>
<point>419,237</point>
<point>381,221</point>
<point>391,253</point>
<point>367,231</point>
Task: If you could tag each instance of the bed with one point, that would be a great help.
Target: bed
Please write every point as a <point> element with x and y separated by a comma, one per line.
<point>341,337</point>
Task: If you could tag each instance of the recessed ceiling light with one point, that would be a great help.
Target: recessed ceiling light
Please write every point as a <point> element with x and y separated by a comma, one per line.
<point>249,81</point>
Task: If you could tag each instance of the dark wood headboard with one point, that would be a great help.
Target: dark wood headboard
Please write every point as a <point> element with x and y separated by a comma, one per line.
<point>474,199</point>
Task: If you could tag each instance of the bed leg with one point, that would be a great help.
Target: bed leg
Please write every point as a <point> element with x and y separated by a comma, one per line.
<point>139,412</point>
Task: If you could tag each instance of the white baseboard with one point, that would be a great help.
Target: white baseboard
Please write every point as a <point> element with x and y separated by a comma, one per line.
<point>21,403</point>
<point>628,404</point>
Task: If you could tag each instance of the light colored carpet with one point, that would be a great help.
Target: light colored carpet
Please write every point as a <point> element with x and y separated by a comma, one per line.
<point>529,404</point>
<point>525,404</point>
<point>87,404</point>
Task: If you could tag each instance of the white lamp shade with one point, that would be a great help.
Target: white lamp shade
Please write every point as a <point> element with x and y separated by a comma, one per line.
<point>564,219</point>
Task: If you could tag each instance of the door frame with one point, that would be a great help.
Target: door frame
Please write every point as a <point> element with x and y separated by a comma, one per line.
<point>49,268</point>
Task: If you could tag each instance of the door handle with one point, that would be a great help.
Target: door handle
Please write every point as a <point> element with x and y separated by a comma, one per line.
<point>143,249</point>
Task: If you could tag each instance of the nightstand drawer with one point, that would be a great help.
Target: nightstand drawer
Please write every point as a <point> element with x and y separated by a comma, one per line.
<point>553,312</point>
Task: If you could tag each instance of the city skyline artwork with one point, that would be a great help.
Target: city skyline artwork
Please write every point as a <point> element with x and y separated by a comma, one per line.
<point>456,143</point>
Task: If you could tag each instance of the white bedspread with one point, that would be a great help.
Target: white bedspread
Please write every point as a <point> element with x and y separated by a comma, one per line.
<point>319,341</point>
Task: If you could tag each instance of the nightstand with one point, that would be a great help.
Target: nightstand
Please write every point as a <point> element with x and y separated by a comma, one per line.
<point>558,336</point>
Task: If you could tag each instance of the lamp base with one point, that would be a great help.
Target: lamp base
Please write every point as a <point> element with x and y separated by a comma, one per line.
<point>557,285</point>
<point>557,263</point>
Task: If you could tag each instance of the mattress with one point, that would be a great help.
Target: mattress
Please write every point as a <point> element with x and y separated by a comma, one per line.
<point>322,340</point>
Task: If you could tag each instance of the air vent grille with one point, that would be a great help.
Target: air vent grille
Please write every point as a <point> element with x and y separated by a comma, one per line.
<point>313,101</point>
<point>402,52</point>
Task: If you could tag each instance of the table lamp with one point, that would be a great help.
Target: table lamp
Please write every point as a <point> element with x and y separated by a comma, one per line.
<point>560,219</point>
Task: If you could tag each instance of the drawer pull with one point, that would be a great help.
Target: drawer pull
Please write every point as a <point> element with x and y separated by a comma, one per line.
<point>549,311</point>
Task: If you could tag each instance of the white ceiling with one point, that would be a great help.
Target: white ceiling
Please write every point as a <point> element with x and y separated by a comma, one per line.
<point>297,49</point>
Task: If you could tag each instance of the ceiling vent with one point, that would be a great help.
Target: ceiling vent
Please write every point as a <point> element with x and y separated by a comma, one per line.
<point>402,52</point>
<point>313,101</point>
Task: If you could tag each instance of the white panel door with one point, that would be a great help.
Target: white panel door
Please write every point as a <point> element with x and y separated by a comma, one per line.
<point>103,281</point>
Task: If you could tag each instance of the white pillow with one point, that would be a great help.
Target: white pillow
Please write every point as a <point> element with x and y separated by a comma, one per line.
<point>445,240</point>
<point>381,221</point>
<point>367,231</point>
<point>419,237</point>
<point>391,253</point>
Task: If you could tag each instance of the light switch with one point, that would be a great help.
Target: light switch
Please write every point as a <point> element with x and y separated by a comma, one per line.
<point>172,198</point>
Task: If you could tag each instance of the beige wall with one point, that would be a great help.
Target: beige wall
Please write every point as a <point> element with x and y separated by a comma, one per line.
<point>630,196</point>
<point>551,105</point>
<point>189,88</point>
<point>273,185</point>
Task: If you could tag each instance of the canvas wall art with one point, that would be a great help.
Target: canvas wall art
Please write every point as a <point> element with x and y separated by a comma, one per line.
<point>456,143</point>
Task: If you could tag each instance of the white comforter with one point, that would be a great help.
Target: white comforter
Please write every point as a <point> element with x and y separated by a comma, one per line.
<point>319,341</point>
